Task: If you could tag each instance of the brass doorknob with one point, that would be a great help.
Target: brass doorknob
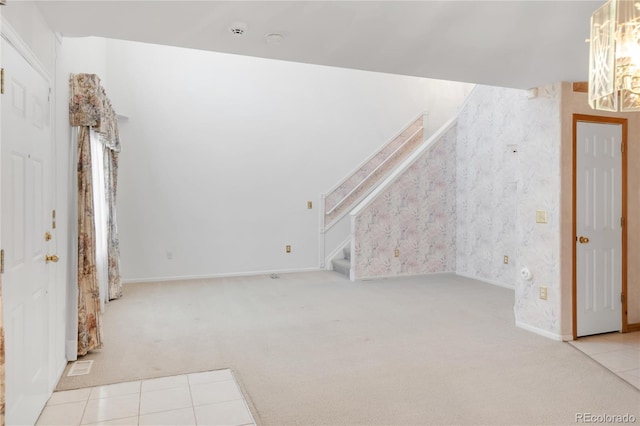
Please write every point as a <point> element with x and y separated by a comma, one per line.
<point>583,240</point>
<point>51,258</point>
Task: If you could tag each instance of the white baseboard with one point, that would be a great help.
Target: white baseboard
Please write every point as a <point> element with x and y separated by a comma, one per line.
<point>541,332</point>
<point>224,275</point>
<point>524,326</point>
<point>71,350</point>
<point>499,284</point>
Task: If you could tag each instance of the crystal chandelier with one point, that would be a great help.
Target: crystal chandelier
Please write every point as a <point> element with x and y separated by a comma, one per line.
<point>614,56</point>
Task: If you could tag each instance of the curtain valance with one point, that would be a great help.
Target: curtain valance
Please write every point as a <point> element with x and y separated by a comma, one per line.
<point>89,106</point>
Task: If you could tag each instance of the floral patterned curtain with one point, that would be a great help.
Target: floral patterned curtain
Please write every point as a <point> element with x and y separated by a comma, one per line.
<point>89,107</point>
<point>89,321</point>
<point>111,179</point>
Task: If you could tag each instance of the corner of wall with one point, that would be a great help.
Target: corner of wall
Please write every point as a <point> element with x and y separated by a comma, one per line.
<point>540,331</point>
<point>508,169</point>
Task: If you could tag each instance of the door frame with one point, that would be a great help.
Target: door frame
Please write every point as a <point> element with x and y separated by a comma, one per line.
<point>574,285</point>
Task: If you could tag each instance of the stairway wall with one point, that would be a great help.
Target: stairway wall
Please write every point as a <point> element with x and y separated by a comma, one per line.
<point>416,214</point>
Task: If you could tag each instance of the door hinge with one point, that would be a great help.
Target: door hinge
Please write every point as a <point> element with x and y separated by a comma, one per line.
<point>621,297</point>
<point>2,261</point>
<point>53,219</point>
<point>1,81</point>
<point>622,147</point>
<point>621,222</point>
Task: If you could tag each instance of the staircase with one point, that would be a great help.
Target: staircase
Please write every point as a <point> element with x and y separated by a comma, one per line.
<point>343,266</point>
<point>397,212</point>
<point>353,189</point>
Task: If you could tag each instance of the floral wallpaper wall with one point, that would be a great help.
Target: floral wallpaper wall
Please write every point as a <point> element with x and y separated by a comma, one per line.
<point>508,158</point>
<point>415,215</point>
<point>472,199</point>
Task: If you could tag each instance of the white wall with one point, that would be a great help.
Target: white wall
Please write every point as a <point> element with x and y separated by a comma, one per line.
<point>445,99</point>
<point>221,153</point>
<point>26,20</point>
<point>82,55</point>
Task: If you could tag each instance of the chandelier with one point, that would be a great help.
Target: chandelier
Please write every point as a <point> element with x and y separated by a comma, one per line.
<point>614,56</point>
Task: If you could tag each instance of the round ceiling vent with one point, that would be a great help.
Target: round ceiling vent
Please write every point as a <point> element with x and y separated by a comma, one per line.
<point>238,28</point>
<point>274,38</point>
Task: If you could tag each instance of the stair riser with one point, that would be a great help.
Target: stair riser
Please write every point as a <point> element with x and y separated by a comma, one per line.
<point>342,266</point>
<point>347,252</point>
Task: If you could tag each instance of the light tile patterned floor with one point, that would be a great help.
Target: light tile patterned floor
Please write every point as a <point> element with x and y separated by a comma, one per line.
<point>618,352</point>
<point>209,398</point>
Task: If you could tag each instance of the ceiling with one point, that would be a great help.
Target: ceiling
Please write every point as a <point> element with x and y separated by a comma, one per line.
<point>519,44</point>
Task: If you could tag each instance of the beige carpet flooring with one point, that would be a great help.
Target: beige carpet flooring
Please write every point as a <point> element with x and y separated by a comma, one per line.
<point>316,349</point>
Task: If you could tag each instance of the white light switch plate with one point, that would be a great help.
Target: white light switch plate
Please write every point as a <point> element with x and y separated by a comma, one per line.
<point>541,216</point>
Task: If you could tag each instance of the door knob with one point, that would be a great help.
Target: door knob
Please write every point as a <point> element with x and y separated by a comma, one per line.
<point>51,258</point>
<point>583,240</point>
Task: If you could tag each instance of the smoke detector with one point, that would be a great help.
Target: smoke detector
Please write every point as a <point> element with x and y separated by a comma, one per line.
<point>238,29</point>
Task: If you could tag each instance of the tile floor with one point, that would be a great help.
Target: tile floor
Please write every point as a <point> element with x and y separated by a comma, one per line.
<point>618,352</point>
<point>209,398</point>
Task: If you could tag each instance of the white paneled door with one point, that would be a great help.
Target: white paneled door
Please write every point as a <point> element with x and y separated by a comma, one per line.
<point>598,227</point>
<point>27,203</point>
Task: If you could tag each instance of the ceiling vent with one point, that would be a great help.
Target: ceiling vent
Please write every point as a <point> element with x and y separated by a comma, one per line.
<point>274,38</point>
<point>238,29</point>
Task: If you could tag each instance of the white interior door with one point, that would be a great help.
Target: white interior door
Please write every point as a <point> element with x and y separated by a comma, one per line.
<point>26,217</point>
<point>598,227</point>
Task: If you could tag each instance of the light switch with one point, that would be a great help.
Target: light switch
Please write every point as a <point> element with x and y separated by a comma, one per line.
<point>543,293</point>
<point>309,204</point>
<point>541,216</point>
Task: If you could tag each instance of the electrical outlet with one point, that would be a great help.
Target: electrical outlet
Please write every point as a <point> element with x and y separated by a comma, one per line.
<point>169,255</point>
<point>506,259</point>
<point>543,293</point>
<point>396,252</point>
<point>287,248</point>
